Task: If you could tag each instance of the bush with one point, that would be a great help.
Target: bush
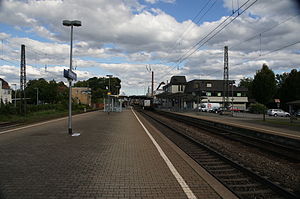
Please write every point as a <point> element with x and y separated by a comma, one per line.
<point>257,108</point>
<point>7,109</point>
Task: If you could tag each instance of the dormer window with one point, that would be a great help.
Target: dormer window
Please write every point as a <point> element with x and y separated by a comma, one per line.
<point>208,85</point>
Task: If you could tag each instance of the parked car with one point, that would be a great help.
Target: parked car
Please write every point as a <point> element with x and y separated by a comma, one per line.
<point>235,109</point>
<point>278,112</point>
<point>297,113</point>
<point>224,111</point>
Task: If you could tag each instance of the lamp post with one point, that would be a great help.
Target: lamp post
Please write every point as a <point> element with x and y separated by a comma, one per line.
<point>109,92</point>
<point>71,23</point>
<point>0,93</point>
<point>37,96</point>
<point>15,101</point>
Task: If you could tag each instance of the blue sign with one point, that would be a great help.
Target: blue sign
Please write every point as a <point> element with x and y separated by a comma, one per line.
<point>70,74</point>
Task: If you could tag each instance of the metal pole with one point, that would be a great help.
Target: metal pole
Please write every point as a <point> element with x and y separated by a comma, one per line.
<point>232,97</point>
<point>0,93</point>
<point>152,85</point>
<point>70,86</point>
<point>232,94</point>
<point>15,95</point>
<point>37,96</point>
<point>109,99</point>
<point>104,105</point>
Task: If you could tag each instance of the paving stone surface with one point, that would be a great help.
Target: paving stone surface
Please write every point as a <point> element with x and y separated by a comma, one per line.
<point>113,158</point>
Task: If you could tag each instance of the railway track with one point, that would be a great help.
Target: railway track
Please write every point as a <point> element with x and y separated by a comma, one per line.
<point>286,148</point>
<point>241,180</point>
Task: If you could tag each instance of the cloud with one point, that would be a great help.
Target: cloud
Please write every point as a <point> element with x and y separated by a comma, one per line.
<point>11,73</point>
<point>136,34</point>
<point>156,1</point>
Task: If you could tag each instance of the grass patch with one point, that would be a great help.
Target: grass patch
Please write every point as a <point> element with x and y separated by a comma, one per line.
<point>36,116</point>
<point>284,122</point>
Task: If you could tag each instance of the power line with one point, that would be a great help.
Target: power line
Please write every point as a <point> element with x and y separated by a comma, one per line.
<point>264,31</point>
<point>175,46</point>
<point>270,52</point>
<point>8,61</point>
<point>188,55</point>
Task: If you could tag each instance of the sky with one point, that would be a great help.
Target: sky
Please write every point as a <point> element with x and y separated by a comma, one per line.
<point>130,38</point>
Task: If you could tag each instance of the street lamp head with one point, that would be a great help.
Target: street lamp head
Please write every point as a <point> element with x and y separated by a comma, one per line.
<point>67,23</point>
<point>110,76</point>
<point>71,23</point>
<point>76,23</point>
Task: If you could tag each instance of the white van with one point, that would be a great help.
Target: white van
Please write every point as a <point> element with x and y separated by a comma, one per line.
<point>209,107</point>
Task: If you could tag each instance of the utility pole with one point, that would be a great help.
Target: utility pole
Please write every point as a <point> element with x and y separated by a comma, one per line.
<point>23,80</point>
<point>152,85</point>
<point>15,101</point>
<point>0,93</point>
<point>37,96</point>
<point>225,78</point>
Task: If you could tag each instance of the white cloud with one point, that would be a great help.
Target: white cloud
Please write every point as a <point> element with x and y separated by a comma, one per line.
<point>134,33</point>
<point>156,1</point>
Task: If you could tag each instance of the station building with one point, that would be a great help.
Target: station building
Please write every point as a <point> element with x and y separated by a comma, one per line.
<point>182,95</point>
<point>82,95</point>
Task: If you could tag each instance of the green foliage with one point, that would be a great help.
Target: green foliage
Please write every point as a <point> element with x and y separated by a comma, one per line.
<point>257,108</point>
<point>48,92</point>
<point>290,87</point>
<point>100,87</point>
<point>247,82</point>
<point>8,109</point>
<point>264,85</point>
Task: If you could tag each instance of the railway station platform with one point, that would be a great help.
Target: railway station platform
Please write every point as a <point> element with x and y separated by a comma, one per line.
<point>117,155</point>
<point>253,123</point>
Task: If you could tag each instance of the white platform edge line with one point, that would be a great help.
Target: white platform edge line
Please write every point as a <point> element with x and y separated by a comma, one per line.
<point>176,174</point>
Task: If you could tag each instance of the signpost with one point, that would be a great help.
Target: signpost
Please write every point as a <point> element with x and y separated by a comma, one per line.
<point>70,75</point>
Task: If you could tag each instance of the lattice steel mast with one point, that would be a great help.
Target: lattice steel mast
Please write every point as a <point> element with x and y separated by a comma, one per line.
<point>226,79</point>
<point>23,81</point>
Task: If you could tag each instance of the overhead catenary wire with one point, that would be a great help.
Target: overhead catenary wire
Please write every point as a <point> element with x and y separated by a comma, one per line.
<point>5,60</point>
<point>190,27</point>
<point>175,66</point>
<point>198,45</point>
<point>217,31</point>
<point>36,55</point>
<point>267,53</point>
<point>232,47</point>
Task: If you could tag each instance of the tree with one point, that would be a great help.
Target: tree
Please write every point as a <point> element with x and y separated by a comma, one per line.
<point>31,90</point>
<point>264,85</point>
<point>100,87</point>
<point>290,88</point>
<point>247,82</point>
<point>49,92</point>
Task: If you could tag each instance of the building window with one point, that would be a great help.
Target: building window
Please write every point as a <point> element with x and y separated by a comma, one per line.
<point>180,87</point>
<point>239,94</point>
<point>208,94</point>
<point>219,94</point>
<point>208,85</point>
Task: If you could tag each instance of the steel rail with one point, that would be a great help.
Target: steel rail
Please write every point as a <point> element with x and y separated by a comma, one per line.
<point>211,160</point>
<point>286,149</point>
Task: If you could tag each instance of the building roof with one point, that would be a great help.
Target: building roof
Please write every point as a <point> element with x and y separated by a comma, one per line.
<point>296,102</point>
<point>5,85</point>
<point>216,85</point>
<point>176,80</point>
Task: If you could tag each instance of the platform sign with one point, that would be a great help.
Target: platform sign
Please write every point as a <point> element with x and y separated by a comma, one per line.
<point>70,74</point>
